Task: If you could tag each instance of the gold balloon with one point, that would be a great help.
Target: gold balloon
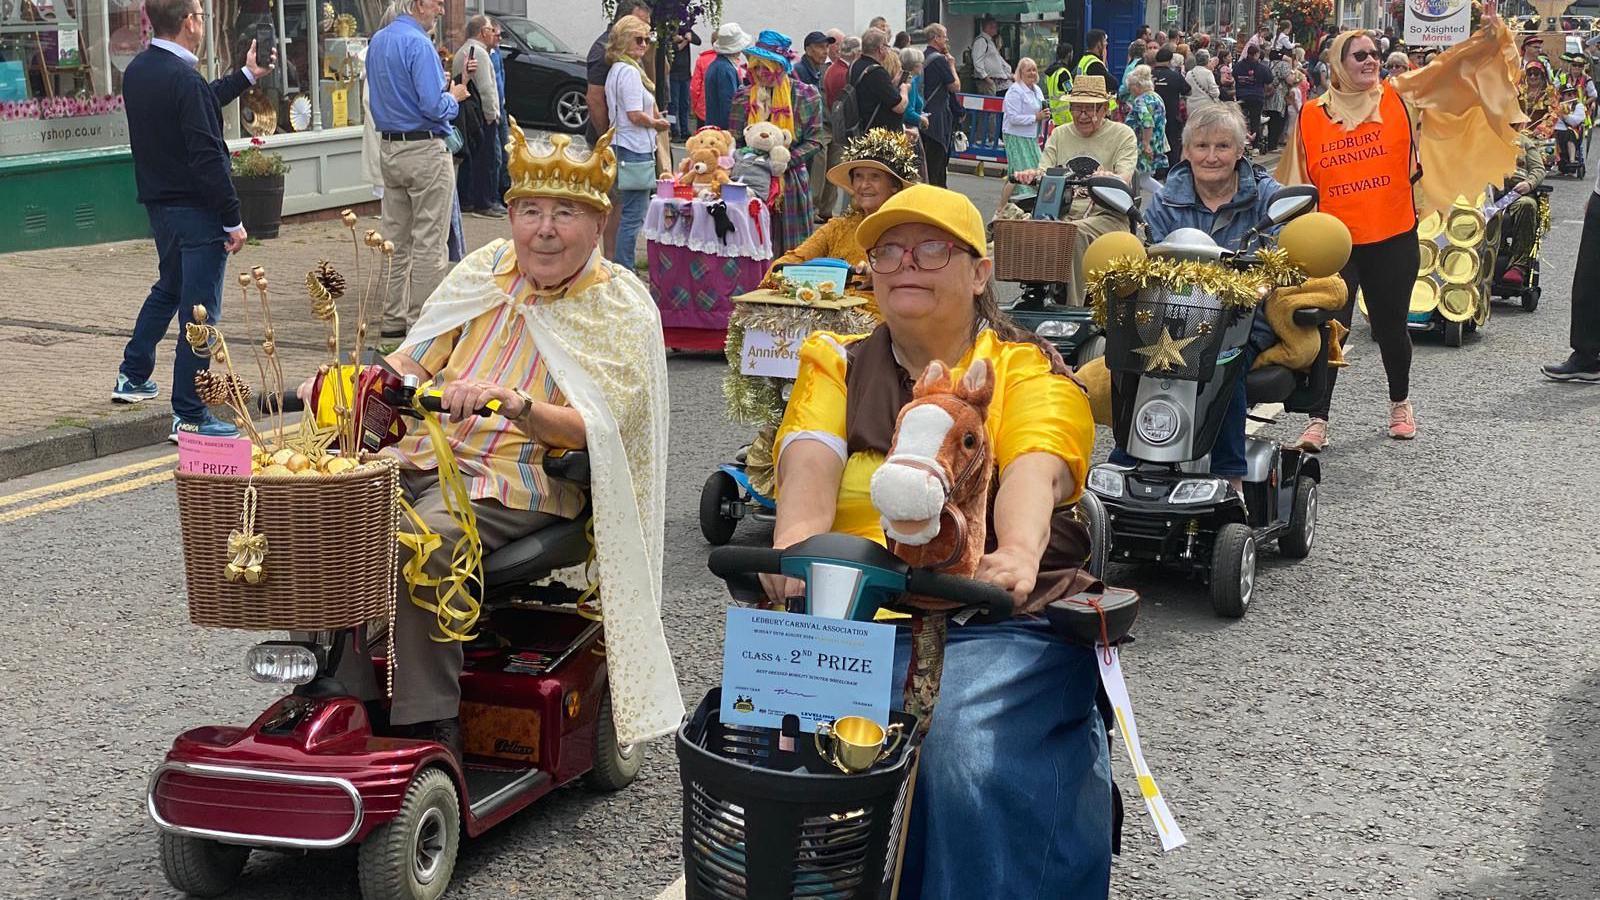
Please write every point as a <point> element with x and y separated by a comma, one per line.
<point>1316,242</point>
<point>1111,246</point>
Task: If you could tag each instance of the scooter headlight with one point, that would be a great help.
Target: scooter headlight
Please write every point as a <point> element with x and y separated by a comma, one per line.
<point>1106,481</point>
<point>1157,422</point>
<point>1197,490</point>
<point>282,662</point>
<point>1057,328</point>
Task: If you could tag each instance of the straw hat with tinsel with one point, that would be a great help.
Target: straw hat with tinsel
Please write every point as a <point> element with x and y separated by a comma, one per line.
<point>887,151</point>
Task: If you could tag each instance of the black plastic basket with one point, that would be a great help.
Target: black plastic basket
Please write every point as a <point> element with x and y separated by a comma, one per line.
<point>1136,322</point>
<point>760,823</point>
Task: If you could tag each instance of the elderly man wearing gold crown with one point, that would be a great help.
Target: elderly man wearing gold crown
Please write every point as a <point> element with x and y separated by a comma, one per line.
<point>570,345</point>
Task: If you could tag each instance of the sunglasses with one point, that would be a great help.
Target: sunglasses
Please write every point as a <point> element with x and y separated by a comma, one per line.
<point>1364,55</point>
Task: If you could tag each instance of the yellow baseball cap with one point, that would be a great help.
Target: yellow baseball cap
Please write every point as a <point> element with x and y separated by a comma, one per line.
<point>944,209</point>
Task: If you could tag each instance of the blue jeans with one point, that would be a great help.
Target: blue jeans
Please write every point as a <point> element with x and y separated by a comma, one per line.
<point>479,181</point>
<point>634,205</point>
<point>503,137</point>
<point>1013,793</point>
<point>678,105</point>
<point>1227,454</point>
<point>191,262</point>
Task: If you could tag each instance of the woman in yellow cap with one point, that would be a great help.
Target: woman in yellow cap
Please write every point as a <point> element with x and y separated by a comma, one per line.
<point>873,168</point>
<point>1367,142</point>
<point>1017,740</point>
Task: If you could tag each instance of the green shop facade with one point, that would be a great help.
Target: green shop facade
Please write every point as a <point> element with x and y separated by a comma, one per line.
<point>66,174</point>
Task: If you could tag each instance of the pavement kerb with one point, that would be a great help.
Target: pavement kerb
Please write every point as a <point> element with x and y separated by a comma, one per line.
<point>25,454</point>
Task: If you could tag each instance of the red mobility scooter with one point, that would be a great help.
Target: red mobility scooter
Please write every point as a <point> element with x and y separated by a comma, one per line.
<point>315,771</point>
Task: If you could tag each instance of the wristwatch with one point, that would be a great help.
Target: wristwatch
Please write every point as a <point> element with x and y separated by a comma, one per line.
<point>527,402</point>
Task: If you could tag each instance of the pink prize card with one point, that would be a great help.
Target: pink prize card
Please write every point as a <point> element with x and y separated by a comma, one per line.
<point>202,455</point>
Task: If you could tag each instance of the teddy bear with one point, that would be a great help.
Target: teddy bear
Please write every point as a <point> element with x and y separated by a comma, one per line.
<point>761,162</point>
<point>707,160</point>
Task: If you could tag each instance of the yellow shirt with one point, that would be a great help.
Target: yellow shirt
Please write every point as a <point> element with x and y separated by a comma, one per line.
<point>1033,410</point>
<point>497,459</point>
<point>835,239</point>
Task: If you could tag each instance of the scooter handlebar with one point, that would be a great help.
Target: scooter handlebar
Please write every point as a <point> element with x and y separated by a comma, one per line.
<point>267,403</point>
<point>729,562</point>
<point>991,600</point>
<point>431,398</point>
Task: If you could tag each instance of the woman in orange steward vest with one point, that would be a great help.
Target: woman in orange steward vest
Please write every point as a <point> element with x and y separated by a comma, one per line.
<point>1381,151</point>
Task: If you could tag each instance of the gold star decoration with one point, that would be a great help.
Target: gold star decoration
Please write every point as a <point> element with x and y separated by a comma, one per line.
<point>312,440</point>
<point>1166,353</point>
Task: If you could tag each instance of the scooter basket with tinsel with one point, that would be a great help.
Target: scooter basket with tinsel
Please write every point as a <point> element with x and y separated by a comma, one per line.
<point>327,548</point>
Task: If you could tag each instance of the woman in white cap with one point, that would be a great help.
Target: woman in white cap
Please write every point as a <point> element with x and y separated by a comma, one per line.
<point>724,75</point>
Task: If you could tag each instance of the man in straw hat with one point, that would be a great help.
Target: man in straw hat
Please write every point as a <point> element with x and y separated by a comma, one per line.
<point>570,345</point>
<point>1094,135</point>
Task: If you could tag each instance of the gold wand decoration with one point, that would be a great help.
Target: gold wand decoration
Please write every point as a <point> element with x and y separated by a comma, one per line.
<point>208,342</point>
<point>324,285</point>
<point>245,280</point>
<point>269,347</point>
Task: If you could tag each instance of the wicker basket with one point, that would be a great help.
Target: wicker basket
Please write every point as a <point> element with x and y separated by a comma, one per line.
<point>330,549</point>
<point>1034,250</point>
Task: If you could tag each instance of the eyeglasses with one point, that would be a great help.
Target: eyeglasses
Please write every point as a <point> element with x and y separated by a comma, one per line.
<point>199,13</point>
<point>930,256</point>
<point>560,217</point>
<point>1364,55</point>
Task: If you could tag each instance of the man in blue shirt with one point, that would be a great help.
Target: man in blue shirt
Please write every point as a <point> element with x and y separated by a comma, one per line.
<point>497,59</point>
<point>182,171</point>
<point>413,104</point>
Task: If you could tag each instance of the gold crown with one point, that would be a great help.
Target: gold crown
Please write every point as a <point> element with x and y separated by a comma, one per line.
<point>563,172</point>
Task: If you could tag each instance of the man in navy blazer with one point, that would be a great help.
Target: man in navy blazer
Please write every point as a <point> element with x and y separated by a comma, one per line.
<point>181,166</point>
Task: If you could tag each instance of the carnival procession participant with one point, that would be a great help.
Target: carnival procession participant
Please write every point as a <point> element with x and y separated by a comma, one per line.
<point>570,345</point>
<point>1539,101</point>
<point>1090,134</point>
<point>1520,221</point>
<point>1363,144</point>
<point>794,106</point>
<point>1016,739</point>
<point>874,168</point>
<point>181,171</point>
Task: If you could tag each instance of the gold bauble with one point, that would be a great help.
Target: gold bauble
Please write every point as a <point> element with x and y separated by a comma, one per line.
<point>282,457</point>
<point>298,462</point>
<point>1111,246</point>
<point>1316,242</point>
<point>276,471</point>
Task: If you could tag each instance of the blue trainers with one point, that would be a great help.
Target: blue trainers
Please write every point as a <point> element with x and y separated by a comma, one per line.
<point>208,425</point>
<point>132,392</point>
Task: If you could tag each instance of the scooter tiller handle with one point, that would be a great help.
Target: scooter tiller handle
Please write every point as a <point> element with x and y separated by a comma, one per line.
<point>728,562</point>
<point>992,601</point>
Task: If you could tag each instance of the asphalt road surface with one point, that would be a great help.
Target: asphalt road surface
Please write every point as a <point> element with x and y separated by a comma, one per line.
<point>1410,712</point>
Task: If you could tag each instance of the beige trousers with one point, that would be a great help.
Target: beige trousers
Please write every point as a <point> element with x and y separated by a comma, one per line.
<point>427,674</point>
<point>1091,222</point>
<point>419,180</point>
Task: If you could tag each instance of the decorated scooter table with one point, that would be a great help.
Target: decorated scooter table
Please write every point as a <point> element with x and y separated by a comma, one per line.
<point>703,251</point>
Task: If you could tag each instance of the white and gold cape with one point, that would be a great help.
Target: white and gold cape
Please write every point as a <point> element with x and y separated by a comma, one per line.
<point>605,349</point>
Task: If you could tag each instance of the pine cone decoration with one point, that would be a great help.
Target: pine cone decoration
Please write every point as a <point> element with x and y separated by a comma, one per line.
<point>324,282</point>
<point>217,388</point>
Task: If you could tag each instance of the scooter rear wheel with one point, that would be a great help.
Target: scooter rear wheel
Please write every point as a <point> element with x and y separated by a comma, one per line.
<point>413,855</point>
<point>1296,541</point>
<point>616,764</point>
<point>1233,570</point>
<point>716,525</point>
<point>201,867</point>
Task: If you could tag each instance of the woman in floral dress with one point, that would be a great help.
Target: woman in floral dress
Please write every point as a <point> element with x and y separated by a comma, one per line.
<point>1147,116</point>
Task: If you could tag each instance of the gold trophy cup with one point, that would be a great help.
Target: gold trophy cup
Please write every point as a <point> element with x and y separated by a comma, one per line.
<point>855,744</point>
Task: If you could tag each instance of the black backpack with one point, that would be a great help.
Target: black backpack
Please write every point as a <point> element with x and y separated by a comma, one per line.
<point>469,121</point>
<point>845,114</point>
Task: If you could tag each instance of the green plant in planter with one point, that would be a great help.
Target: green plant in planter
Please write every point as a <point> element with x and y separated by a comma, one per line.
<point>254,162</point>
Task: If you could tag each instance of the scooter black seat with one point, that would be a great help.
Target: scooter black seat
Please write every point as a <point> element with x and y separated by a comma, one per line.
<point>536,555</point>
<point>1270,384</point>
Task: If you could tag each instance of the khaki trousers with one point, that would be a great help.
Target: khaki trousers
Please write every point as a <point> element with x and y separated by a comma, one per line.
<point>1098,221</point>
<point>427,674</point>
<point>419,180</point>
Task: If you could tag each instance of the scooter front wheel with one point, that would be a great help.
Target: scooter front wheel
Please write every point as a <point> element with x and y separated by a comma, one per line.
<point>201,867</point>
<point>1233,570</point>
<point>616,764</point>
<point>413,855</point>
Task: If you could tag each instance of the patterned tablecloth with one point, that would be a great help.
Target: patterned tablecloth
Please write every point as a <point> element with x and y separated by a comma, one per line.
<point>695,271</point>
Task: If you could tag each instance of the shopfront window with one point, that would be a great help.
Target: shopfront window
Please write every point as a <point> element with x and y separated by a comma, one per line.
<point>318,82</point>
<point>59,89</point>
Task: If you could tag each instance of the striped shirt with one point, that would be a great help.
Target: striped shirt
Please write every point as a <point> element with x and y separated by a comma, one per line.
<point>498,461</point>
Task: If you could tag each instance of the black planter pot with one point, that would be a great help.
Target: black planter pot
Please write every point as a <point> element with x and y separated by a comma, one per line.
<point>260,203</point>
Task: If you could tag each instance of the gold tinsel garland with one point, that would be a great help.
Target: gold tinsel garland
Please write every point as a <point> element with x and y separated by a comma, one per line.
<point>1126,276</point>
<point>758,400</point>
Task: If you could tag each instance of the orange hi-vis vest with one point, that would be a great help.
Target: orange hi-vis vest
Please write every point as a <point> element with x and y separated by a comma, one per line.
<point>1364,176</point>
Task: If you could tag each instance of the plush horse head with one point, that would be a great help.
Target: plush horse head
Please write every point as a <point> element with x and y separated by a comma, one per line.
<point>932,491</point>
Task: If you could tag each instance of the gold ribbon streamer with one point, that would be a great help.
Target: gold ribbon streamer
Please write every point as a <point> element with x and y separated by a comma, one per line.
<point>456,602</point>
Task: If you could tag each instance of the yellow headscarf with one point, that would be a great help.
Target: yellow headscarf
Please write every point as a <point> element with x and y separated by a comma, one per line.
<point>1347,107</point>
<point>776,104</point>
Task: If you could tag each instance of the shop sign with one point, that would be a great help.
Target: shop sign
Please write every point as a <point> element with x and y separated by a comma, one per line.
<point>21,136</point>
